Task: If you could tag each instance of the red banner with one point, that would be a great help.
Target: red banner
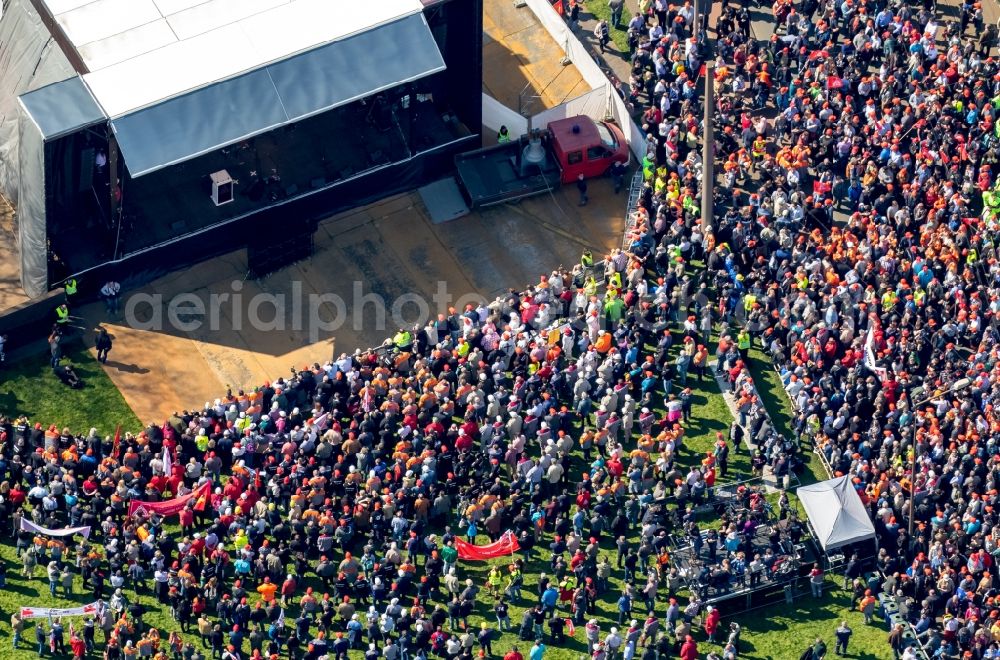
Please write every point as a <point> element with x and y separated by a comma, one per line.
<point>506,545</point>
<point>170,507</point>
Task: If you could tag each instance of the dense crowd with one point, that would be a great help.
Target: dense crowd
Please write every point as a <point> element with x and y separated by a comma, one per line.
<point>861,263</point>
<point>858,148</point>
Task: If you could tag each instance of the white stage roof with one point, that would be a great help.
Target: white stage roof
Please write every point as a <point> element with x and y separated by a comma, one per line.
<point>293,89</point>
<point>141,52</point>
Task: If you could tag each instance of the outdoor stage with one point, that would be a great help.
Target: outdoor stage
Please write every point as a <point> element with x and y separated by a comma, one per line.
<point>306,157</point>
<point>793,550</point>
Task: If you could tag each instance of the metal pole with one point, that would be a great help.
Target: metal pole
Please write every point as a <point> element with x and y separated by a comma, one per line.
<point>708,152</point>
<point>695,26</point>
<point>913,477</point>
<point>113,173</point>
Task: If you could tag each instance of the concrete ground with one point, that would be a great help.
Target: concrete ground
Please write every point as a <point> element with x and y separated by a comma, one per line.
<point>388,249</point>
<point>521,62</point>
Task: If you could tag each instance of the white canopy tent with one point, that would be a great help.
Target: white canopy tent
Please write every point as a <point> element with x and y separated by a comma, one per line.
<point>836,513</point>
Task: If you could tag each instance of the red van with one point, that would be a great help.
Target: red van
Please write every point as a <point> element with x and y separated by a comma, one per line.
<point>539,162</point>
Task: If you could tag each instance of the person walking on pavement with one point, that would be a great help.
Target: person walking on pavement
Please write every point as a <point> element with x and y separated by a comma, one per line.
<point>581,185</point>
<point>618,176</point>
<point>574,13</point>
<point>603,34</point>
<point>843,634</point>
<point>103,345</point>
<point>110,292</point>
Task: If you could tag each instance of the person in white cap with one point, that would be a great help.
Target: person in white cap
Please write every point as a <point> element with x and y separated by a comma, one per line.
<point>613,644</point>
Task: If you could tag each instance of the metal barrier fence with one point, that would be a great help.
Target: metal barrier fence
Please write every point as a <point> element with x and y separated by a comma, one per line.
<point>791,405</point>
<point>634,193</point>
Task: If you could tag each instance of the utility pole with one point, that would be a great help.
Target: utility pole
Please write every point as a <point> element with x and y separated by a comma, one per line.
<point>955,387</point>
<point>708,152</point>
<point>695,25</point>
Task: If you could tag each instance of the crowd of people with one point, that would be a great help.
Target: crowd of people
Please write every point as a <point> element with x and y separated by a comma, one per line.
<point>852,246</point>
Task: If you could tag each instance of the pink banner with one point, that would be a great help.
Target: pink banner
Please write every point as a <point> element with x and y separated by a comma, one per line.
<point>170,507</point>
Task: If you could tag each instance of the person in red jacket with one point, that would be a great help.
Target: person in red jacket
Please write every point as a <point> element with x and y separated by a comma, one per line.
<point>78,646</point>
<point>513,654</point>
<point>712,623</point>
<point>689,650</point>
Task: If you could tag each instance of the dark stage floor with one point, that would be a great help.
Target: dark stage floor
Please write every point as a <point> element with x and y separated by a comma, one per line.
<point>283,164</point>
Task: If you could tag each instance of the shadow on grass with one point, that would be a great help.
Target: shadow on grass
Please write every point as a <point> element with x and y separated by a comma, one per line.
<point>774,398</point>
<point>10,401</point>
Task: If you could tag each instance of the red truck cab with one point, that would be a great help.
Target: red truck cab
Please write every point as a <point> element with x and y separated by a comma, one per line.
<point>587,147</point>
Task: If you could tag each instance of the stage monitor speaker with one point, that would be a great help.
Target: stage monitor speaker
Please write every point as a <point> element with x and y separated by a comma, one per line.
<point>267,254</point>
<point>222,187</point>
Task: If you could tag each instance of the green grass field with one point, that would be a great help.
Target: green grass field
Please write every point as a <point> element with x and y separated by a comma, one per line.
<point>779,407</point>
<point>28,387</point>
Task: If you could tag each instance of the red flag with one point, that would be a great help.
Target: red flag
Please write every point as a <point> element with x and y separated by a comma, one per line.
<point>833,82</point>
<point>507,545</point>
<point>176,505</point>
<point>116,445</point>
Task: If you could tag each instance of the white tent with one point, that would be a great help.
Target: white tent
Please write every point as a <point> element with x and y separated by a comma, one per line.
<point>836,512</point>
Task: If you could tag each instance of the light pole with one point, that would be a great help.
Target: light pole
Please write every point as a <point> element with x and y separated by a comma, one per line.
<point>708,152</point>
<point>957,386</point>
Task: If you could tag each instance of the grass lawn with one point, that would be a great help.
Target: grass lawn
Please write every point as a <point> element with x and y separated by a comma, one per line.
<point>779,407</point>
<point>28,387</point>
<point>599,10</point>
<point>709,415</point>
<point>21,592</point>
<point>783,631</point>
